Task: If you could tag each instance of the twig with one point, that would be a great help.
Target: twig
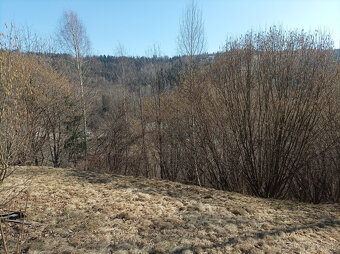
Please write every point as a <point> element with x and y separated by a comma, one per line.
<point>19,222</point>
<point>19,244</point>
<point>3,238</point>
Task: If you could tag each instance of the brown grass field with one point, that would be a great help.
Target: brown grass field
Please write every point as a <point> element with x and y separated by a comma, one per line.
<point>80,212</point>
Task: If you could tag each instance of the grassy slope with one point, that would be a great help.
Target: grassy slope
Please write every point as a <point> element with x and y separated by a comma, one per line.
<point>78,212</point>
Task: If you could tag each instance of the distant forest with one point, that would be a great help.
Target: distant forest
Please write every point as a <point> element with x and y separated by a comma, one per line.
<point>105,70</point>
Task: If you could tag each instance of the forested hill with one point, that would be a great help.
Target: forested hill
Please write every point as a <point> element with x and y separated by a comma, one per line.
<point>106,70</point>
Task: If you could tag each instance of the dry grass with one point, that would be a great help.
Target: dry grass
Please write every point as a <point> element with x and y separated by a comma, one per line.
<point>80,212</point>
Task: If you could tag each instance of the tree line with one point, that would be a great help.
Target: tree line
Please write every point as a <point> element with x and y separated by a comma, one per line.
<point>261,118</point>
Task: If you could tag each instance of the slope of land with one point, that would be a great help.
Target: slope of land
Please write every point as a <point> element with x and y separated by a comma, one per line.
<point>81,212</point>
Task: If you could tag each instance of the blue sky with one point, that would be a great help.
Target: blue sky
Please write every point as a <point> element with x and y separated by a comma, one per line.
<point>139,24</point>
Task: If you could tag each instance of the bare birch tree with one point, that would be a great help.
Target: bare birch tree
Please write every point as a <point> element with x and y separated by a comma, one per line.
<point>121,52</point>
<point>191,39</point>
<point>74,39</point>
<point>191,42</point>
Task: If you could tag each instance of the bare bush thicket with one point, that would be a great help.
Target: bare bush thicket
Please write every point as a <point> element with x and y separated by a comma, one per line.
<point>266,123</point>
<point>275,91</point>
<point>262,119</point>
<point>14,77</point>
<point>114,142</point>
<point>37,108</point>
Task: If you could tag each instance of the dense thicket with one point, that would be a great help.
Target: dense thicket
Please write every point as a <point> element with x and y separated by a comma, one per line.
<point>262,118</point>
<point>38,110</point>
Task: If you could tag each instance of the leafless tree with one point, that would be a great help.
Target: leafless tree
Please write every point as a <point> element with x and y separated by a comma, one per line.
<point>191,39</point>
<point>191,42</point>
<point>122,77</point>
<point>73,39</point>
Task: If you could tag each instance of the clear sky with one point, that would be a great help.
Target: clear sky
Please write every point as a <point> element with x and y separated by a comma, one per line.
<point>139,24</point>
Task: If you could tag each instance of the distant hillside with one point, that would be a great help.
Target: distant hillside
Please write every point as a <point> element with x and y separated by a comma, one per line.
<point>80,212</point>
<point>107,70</point>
